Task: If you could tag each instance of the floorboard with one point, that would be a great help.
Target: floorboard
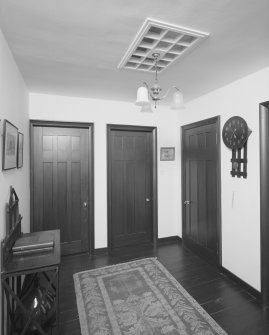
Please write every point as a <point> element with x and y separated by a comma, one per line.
<point>235,310</point>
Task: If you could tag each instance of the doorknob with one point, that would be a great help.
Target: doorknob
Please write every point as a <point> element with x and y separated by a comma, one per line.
<point>187,202</point>
<point>147,199</point>
<point>85,204</point>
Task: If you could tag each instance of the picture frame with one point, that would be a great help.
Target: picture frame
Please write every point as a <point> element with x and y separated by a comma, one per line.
<point>20,150</point>
<point>10,145</point>
<point>167,154</point>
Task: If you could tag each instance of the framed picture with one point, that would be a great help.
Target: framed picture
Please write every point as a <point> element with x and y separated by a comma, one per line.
<point>167,154</point>
<point>10,140</point>
<point>20,151</point>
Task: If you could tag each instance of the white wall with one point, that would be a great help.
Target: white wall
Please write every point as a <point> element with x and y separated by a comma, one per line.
<point>241,217</point>
<point>14,104</point>
<point>49,107</point>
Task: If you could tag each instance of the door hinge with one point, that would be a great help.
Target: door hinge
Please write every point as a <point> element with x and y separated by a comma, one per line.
<point>216,138</point>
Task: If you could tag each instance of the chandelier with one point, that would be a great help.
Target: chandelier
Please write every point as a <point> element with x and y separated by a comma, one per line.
<point>144,92</point>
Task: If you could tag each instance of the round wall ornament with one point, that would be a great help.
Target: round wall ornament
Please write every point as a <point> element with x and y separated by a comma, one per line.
<point>235,132</point>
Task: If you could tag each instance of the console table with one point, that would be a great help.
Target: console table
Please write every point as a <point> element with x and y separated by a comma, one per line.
<point>43,264</point>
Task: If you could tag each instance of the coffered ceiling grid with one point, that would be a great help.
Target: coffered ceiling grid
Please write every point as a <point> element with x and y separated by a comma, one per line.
<point>170,41</point>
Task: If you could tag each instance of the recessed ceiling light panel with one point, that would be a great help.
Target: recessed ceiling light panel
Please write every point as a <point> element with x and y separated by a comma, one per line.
<point>170,41</point>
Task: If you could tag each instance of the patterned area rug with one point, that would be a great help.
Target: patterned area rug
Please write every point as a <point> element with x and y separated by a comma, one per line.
<point>138,298</point>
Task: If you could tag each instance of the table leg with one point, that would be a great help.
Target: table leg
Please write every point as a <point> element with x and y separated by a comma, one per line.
<point>3,310</point>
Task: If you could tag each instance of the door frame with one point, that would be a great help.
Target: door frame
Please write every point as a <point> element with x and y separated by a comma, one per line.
<point>153,132</point>
<point>204,122</point>
<point>63,124</point>
<point>264,194</point>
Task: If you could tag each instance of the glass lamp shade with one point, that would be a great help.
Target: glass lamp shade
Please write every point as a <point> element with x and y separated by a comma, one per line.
<point>142,96</point>
<point>177,102</point>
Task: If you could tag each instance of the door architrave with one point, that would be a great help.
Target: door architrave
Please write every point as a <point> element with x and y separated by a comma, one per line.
<point>153,132</point>
<point>264,194</point>
<point>63,124</point>
<point>204,122</point>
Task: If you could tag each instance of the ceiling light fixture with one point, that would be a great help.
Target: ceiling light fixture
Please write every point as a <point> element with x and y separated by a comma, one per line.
<point>144,92</point>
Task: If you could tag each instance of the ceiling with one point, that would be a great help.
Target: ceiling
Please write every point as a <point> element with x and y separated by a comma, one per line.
<point>73,47</point>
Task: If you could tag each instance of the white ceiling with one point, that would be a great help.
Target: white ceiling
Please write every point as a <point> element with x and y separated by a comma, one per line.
<point>73,47</point>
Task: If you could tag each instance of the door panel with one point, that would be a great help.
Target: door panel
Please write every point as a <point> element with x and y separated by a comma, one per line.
<point>130,183</point>
<point>61,184</point>
<point>200,183</point>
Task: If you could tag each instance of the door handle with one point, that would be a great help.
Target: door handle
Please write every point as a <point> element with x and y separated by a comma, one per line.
<point>85,204</point>
<point>147,199</point>
<point>187,202</point>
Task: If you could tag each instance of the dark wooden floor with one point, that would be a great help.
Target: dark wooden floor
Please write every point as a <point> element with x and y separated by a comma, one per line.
<point>235,310</point>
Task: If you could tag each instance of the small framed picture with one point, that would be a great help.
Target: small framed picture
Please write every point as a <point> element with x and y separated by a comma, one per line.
<point>20,151</point>
<point>10,141</point>
<point>167,154</point>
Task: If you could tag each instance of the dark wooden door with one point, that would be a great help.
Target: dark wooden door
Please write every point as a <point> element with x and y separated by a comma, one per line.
<point>201,188</point>
<point>60,184</point>
<point>130,188</point>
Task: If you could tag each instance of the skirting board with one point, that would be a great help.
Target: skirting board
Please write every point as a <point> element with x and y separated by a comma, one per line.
<point>169,239</point>
<point>251,290</point>
<point>161,241</point>
<point>100,251</point>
